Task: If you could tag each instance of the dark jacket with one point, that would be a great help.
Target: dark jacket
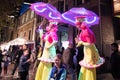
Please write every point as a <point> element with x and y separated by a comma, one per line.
<point>58,75</point>
<point>115,64</point>
<point>1,56</point>
<point>18,55</point>
<point>68,55</point>
<point>23,65</point>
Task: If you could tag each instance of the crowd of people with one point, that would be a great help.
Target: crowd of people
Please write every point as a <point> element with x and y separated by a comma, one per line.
<point>52,63</point>
<point>64,64</point>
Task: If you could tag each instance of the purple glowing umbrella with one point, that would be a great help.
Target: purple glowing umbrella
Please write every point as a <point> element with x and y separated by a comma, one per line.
<point>69,16</point>
<point>46,10</point>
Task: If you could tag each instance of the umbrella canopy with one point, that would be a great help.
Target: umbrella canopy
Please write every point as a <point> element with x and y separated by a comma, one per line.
<point>69,16</point>
<point>46,10</point>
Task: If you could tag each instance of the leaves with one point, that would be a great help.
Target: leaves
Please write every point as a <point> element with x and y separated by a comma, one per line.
<point>7,7</point>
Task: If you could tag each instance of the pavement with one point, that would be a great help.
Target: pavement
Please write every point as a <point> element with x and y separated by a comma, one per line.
<point>103,76</point>
<point>8,76</point>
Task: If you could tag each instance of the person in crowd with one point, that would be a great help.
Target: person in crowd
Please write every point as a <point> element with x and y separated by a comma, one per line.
<point>68,55</point>
<point>17,58</point>
<point>91,59</point>
<point>25,46</point>
<point>6,61</point>
<point>58,71</point>
<point>32,56</point>
<point>1,60</point>
<point>38,56</point>
<point>24,64</point>
<point>115,61</point>
<point>49,52</point>
<point>58,49</point>
<point>62,50</point>
<point>36,62</point>
<point>13,52</point>
<point>79,57</point>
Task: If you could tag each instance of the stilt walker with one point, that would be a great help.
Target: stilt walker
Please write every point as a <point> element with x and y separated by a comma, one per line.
<point>91,59</point>
<point>50,38</point>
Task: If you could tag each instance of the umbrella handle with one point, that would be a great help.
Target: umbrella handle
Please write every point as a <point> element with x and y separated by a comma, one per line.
<point>27,3</point>
<point>78,33</point>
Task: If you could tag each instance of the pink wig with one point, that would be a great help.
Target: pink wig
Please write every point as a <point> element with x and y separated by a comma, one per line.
<point>86,34</point>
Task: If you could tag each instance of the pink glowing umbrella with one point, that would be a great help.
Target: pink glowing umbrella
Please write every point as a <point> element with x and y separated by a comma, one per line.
<point>46,10</point>
<point>69,16</point>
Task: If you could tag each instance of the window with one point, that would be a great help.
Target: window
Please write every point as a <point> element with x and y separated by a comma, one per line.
<point>32,14</point>
<point>23,18</point>
<point>24,34</point>
<point>116,4</point>
<point>116,28</point>
<point>29,37</point>
<point>27,16</point>
<point>87,1</point>
<point>79,2</point>
<point>61,6</point>
<point>39,19</point>
<point>17,35</point>
<point>11,37</point>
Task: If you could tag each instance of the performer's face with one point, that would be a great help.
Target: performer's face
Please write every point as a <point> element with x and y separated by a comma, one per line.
<point>83,26</point>
<point>47,28</point>
<point>54,29</point>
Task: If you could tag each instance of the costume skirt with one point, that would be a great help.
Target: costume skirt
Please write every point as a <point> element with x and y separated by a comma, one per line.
<point>87,74</point>
<point>43,71</point>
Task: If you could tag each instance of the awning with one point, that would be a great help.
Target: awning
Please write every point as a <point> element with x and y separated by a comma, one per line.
<point>20,41</point>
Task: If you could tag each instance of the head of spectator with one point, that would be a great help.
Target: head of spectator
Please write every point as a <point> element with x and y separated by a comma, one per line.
<point>34,51</point>
<point>114,47</point>
<point>70,45</point>
<point>58,60</point>
<point>25,46</point>
<point>25,52</point>
<point>20,47</point>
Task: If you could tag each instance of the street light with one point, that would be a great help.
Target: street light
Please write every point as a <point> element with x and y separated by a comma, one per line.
<point>11,16</point>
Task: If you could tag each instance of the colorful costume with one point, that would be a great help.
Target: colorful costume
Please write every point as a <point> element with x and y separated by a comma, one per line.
<point>91,58</point>
<point>49,53</point>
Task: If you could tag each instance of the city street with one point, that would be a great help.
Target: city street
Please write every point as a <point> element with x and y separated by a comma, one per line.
<point>105,76</point>
<point>55,26</point>
<point>15,77</point>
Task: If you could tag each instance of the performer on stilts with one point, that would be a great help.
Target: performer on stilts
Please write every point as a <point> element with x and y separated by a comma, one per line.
<point>91,59</point>
<point>50,38</point>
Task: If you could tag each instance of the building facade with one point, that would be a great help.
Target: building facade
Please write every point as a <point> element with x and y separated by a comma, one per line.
<point>106,31</point>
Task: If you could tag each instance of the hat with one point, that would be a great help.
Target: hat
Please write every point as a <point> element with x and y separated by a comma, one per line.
<point>55,22</point>
<point>80,18</point>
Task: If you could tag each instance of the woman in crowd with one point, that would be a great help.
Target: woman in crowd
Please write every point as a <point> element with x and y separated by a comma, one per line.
<point>58,71</point>
<point>24,65</point>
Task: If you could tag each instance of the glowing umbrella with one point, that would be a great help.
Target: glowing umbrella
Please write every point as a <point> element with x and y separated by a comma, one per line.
<point>46,10</point>
<point>69,16</point>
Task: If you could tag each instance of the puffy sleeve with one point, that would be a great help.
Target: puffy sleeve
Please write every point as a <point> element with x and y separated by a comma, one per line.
<point>53,39</point>
<point>54,36</point>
